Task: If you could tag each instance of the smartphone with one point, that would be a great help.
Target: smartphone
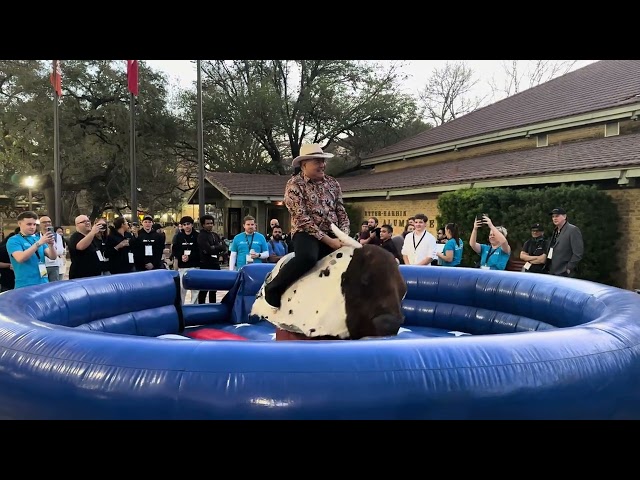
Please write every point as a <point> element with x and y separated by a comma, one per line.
<point>51,230</point>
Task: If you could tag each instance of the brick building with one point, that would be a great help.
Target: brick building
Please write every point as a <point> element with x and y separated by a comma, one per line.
<point>581,127</point>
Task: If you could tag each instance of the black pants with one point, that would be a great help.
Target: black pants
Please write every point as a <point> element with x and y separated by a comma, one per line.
<point>202,294</point>
<point>308,251</point>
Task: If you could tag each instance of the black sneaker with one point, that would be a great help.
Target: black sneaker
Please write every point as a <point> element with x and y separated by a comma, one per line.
<point>273,300</point>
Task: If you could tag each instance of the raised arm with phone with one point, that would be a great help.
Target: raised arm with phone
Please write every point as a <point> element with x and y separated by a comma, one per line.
<point>495,255</point>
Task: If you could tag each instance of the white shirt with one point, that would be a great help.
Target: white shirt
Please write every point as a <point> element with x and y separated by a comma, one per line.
<point>59,251</point>
<point>417,247</point>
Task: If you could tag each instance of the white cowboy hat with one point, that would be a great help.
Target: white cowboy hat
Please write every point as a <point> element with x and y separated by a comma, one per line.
<point>310,151</point>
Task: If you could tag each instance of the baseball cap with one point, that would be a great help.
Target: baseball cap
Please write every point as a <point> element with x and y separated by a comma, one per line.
<point>558,211</point>
<point>147,217</point>
<point>537,226</point>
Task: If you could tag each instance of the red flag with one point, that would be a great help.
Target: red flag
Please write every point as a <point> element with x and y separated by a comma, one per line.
<point>56,77</point>
<point>132,76</point>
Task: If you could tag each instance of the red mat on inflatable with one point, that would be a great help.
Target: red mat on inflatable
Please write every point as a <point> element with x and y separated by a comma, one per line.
<point>212,334</point>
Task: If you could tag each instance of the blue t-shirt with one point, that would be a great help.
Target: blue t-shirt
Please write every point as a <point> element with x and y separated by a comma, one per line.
<point>457,252</point>
<point>27,273</point>
<point>497,260</point>
<point>277,248</point>
<point>243,243</point>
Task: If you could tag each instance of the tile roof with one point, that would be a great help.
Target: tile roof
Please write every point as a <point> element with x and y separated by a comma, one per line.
<point>599,85</point>
<point>611,152</point>
<point>249,184</point>
<point>603,153</point>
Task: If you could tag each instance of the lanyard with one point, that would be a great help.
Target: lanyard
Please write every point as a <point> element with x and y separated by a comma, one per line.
<point>489,253</point>
<point>556,234</point>
<point>246,238</point>
<point>31,245</point>
<point>415,247</point>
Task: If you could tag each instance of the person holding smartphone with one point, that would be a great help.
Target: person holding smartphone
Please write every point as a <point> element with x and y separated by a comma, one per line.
<point>118,248</point>
<point>100,242</point>
<point>495,255</point>
<point>27,252</point>
<point>85,257</point>
<point>53,266</point>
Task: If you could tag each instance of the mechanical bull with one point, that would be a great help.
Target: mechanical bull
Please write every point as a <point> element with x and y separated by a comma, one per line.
<point>352,293</point>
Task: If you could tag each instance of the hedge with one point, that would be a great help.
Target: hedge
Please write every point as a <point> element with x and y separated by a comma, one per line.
<point>590,209</point>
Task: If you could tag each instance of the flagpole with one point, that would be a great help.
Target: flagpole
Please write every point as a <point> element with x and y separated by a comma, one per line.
<point>57,182</point>
<point>201,185</point>
<point>132,158</point>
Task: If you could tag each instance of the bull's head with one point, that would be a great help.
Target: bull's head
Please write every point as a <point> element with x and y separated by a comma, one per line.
<point>373,289</point>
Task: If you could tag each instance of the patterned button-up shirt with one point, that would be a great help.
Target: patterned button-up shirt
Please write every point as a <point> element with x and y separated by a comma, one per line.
<point>315,205</point>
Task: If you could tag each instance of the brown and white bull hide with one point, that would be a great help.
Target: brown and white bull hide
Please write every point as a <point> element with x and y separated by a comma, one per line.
<point>352,293</point>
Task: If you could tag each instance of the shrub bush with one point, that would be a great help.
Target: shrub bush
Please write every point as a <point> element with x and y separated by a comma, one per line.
<point>591,210</point>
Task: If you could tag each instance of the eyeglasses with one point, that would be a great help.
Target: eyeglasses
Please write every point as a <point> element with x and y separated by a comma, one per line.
<point>81,221</point>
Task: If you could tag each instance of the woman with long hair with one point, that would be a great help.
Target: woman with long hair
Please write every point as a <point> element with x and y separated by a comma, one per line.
<point>451,255</point>
<point>118,249</point>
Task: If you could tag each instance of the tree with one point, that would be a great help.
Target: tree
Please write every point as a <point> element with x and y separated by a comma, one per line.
<point>369,138</point>
<point>521,75</point>
<point>20,86</point>
<point>445,96</point>
<point>282,103</point>
<point>94,133</point>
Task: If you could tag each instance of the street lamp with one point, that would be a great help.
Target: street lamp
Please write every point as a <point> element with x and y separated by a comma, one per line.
<point>29,182</point>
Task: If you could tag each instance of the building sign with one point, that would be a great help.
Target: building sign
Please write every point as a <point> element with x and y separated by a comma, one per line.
<point>395,218</point>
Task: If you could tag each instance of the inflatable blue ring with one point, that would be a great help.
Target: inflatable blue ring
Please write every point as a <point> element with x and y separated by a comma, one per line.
<point>541,347</point>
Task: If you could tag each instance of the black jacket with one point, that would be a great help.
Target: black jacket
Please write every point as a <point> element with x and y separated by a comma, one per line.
<point>211,247</point>
<point>536,247</point>
<point>139,245</point>
<point>183,242</point>
<point>119,259</point>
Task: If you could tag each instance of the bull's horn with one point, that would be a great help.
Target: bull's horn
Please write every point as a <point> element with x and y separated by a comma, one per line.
<point>344,238</point>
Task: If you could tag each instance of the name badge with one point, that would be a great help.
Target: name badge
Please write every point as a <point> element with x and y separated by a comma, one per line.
<point>130,257</point>
<point>43,269</point>
<point>550,254</point>
<point>527,265</point>
<point>148,250</point>
<point>187,252</point>
<point>100,256</point>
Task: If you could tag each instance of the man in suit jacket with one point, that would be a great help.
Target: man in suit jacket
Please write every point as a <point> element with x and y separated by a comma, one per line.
<point>566,247</point>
